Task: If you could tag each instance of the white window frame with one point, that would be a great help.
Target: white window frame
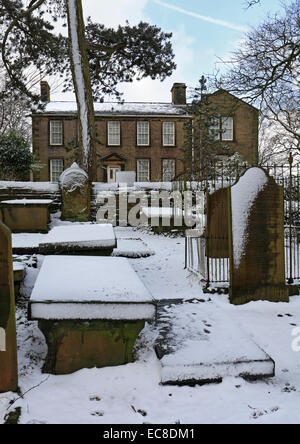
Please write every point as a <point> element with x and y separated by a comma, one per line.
<point>227,129</point>
<point>221,128</point>
<point>140,133</point>
<point>167,133</point>
<point>139,173</point>
<point>111,133</point>
<point>58,132</point>
<point>52,169</point>
<point>168,173</point>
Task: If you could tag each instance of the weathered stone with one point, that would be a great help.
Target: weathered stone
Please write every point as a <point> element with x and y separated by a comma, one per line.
<point>76,195</point>
<point>256,234</point>
<point>73,345</point>
<point>8,346</point>
<point>26,216</point>
<point>217,245</point>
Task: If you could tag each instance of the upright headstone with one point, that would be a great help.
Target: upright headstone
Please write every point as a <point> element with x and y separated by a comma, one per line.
<point>217,245</point>
<point>256,239</point>
<point>76,195</point>
<point>8,345</point>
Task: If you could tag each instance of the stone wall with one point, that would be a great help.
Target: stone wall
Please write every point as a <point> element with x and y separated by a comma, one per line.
<point>31,190</point>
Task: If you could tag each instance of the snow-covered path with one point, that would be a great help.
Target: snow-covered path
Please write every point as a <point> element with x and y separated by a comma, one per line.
<point>132,394</point>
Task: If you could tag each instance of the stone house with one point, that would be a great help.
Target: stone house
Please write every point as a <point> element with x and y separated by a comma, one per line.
<point>142,137</point>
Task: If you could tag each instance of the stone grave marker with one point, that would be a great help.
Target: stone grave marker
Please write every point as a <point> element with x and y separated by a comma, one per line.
<point>76,194</point>
<point>8,345</point>
<point>256,239</point>
<point>217,245</point>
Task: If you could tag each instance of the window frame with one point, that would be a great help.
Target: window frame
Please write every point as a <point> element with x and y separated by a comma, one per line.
<point>216,128</point>
<point>174,134</point>
<point>137,133</point>
<point>149,169</point>
<point>224,119</point>
<point>51,168</point>
<point>163,169</point>
<point>51,142</point>
<point>108,133</point>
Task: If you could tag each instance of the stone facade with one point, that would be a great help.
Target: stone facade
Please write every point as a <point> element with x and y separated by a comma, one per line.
<point>245,125</point>
<point>126,155</point>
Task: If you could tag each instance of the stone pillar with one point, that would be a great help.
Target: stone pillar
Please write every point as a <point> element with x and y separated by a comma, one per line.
<point>8,344</point>
<point>256,239</point>
<point>76,195</point>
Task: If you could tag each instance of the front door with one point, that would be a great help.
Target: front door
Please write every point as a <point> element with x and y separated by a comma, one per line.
<point>112,172</point>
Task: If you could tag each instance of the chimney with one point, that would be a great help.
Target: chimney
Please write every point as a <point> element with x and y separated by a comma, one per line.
<point>45,92</point>
<point>179,94</point>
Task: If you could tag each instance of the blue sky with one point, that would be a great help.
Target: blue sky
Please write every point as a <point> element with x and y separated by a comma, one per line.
<point>204,33</point>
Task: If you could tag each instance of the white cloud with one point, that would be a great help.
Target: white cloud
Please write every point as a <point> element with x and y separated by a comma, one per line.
<point>202,17</point>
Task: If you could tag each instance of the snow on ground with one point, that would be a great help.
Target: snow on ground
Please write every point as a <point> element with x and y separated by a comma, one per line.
<point>132,393</point>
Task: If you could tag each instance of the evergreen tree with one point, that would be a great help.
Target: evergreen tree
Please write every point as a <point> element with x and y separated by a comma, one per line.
<point>104,57</point>
<point>201,134</point>
<point>16,159</point>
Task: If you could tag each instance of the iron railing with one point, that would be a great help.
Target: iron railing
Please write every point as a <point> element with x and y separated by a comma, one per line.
<point>217,270</point>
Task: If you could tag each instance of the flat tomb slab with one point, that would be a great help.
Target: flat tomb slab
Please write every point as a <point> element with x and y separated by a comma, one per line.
<point>89,287</point>
<point>26,243</point>
<point>198,343</point>
<point>80,239</point>
<point>26,215</point>
<point>90,310</point>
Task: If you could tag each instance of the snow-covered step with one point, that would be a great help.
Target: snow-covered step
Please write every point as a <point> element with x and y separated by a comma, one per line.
<point>198,343</point>
<point>95,239</point>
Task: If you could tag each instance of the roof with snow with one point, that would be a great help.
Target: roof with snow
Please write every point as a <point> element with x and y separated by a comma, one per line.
<point>114,108</point>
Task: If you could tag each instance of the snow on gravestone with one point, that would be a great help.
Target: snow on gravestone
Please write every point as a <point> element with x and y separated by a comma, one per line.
<point>76,194</point>
<point>256,232</point>
<point>8,346</point>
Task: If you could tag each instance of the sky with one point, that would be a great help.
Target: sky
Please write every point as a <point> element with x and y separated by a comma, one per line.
<point>205,32</point>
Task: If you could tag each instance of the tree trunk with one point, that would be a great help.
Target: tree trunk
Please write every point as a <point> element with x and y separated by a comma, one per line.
<point>83,90</point>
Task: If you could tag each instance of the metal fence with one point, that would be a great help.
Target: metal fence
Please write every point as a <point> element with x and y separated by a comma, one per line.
<point>217,270</point>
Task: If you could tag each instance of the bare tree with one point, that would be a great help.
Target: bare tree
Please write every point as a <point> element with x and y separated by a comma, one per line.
<point>13,111</point>
<point>275,144</point>
<point>265,70</point>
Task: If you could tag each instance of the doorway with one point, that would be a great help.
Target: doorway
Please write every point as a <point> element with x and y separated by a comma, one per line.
<point>112,173</point>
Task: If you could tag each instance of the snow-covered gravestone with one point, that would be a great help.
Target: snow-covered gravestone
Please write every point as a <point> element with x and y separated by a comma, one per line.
<point>8,346</point>
<point>76,194</point>
<point>256,237</point>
